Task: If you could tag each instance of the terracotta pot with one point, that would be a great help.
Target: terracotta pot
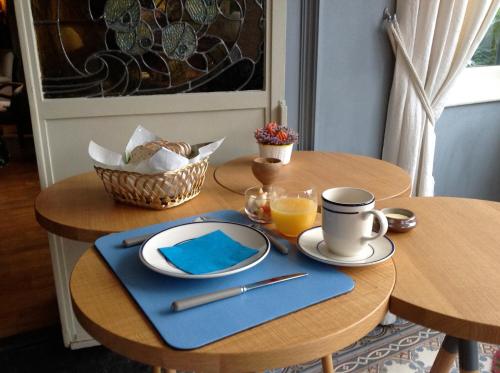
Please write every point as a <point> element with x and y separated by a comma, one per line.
<point>282,152</point>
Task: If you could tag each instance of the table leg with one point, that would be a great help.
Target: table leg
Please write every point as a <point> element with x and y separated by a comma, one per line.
<point>468,356</point>
<point>327,364</point>
<point>446,355</point>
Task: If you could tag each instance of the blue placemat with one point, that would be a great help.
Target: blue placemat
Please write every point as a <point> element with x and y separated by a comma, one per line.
<point>199,326</point>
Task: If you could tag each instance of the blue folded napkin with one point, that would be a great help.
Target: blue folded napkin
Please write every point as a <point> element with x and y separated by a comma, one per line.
<point>208,253</point>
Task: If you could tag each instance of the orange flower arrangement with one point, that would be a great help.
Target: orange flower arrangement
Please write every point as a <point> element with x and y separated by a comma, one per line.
<point>274,134</point>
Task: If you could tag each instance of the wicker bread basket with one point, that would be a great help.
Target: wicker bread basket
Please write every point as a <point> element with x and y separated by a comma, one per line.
<point>155,191</point>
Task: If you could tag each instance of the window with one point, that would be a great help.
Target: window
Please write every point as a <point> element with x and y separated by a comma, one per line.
<point>480,81</point>
<point>131,47</point>
<point>488,52</point>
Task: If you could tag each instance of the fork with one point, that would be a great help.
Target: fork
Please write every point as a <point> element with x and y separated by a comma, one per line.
<point>137,240</point>
<point>273,238</point>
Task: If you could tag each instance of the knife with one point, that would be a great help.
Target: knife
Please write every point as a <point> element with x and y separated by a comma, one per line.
<point>198,300</point>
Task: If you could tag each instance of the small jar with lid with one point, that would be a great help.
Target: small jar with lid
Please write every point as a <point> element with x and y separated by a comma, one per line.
<point>400,220</point>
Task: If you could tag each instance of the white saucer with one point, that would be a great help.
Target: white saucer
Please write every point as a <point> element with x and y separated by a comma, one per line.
<point>311,243</point>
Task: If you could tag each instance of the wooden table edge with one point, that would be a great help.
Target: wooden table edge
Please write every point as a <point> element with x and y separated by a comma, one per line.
<point>225,363</point>
<point>222,185</point>
<point>456,327</point>
<point>67,231</point>
<point>404,193</point>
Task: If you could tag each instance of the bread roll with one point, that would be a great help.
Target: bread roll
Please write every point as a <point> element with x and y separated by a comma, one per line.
<point>180,147</point>
<point>147,150</point>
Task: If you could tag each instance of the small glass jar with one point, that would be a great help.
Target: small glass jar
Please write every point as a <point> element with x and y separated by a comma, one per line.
<point>258,203</point>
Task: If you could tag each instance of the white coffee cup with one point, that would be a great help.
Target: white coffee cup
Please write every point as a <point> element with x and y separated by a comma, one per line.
<point>347,217</point>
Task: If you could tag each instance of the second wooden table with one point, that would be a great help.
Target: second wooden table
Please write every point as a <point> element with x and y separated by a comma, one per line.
<point>448,274</point>
<point>323,170</point>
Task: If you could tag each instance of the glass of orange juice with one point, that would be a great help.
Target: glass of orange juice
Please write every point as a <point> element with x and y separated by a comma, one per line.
<point>293,212</point>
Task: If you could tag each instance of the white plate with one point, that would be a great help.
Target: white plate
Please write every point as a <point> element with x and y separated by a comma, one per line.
<point>247,236</point>
<point>311,243</point>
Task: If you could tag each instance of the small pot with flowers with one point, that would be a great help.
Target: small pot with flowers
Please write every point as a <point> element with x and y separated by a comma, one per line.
<point>276,141</point>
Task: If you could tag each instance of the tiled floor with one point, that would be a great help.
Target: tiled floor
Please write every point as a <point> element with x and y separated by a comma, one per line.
<point>400,348</point>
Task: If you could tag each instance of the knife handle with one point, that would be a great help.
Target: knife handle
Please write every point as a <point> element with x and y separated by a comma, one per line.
<point>282,248</point>
<point>133,241</point>
<point>198,300</point>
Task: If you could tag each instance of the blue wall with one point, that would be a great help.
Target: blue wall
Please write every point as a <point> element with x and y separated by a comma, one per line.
<point>467,161</point>
<point>354,67</point>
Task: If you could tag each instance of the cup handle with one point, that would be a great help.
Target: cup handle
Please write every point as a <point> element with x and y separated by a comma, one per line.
<point>379,215</point>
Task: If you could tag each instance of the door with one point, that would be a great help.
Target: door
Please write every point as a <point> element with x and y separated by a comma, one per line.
<point>191,70</point>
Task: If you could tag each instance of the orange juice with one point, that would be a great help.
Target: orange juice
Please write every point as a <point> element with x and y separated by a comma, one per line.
<point>293,215</point>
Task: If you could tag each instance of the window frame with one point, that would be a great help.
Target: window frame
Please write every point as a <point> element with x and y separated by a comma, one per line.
<point>475,85</point>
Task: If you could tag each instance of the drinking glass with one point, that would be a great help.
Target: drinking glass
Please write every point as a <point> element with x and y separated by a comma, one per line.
<point>293,212</point>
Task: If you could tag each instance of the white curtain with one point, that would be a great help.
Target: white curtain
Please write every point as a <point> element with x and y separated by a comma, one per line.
<point>433,40</point>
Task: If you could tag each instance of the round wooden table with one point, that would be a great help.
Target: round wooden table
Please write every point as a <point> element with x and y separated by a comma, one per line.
<point>108,313</point>
<point>323,170</point>
<point>448,274</point>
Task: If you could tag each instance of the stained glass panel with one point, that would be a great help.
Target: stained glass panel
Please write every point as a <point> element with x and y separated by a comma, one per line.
<point>98,48</point>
